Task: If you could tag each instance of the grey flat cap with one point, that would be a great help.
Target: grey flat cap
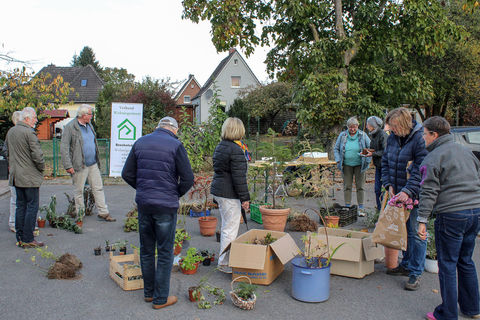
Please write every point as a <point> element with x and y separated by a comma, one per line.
<point>168,121</point>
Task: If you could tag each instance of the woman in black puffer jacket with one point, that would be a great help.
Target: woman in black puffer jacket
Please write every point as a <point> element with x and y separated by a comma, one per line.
<point>229,185</point>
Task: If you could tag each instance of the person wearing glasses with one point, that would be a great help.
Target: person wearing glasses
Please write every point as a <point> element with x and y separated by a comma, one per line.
<point>79,152</point>
<point>405,151</point>
<point>449,189</point>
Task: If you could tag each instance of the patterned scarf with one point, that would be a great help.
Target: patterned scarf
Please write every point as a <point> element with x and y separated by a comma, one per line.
<point>244,147</point>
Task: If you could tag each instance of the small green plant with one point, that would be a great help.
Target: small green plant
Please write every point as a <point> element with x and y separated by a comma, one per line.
<point>245,290</point>
<point>204,286</point>
<point>80,215</point>
<point>50,210</point>
<point>191,260</point>
<point>180,236</point>
<point>269,239</point>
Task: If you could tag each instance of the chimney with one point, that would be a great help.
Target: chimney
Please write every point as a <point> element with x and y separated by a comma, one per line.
<point>190,76</point>
<point>232,50</point>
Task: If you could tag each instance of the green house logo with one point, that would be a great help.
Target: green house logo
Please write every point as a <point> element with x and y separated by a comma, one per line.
<point>126,130</point>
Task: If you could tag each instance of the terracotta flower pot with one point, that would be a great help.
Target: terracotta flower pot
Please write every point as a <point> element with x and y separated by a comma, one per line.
<point>391,258</point>
<point>274,219</point>
<point>41,223</point>
<point>191,296</point>
<point>208,225</point>
<point>184,271</point>
<point>332,221</point>
<point>177,249</point>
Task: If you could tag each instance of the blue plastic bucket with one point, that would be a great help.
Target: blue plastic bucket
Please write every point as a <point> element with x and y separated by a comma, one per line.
<point>310,284</point>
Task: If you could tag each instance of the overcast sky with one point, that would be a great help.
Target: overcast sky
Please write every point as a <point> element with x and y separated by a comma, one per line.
<point>146,37</point>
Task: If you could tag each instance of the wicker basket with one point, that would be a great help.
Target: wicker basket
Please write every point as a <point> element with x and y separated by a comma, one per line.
<point>239,302</point>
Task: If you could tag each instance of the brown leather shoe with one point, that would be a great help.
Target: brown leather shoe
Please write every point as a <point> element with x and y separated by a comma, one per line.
<point>106,217</point>
<point>33,244</point>
<point>148,299</point>
<point>170,300</point>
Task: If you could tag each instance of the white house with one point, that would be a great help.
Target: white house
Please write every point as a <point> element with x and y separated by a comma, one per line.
<point>231,75</point>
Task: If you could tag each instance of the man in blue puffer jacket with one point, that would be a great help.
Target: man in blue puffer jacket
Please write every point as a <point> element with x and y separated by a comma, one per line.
<point>406,145</point>
<point>159,169</point>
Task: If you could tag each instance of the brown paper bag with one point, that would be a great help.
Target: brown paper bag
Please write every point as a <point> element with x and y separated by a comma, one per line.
<point>391,230</point>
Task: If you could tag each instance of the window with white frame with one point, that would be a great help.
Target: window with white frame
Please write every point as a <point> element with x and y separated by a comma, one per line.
<point>186,99</point>
<point>235,81</point>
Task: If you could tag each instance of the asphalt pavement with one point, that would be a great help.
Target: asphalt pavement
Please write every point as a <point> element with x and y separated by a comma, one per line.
<point>26,293</point>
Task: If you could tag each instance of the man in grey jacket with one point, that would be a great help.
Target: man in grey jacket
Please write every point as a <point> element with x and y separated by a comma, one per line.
<point>25,158</point>
<point>450,188</point>
<point>80,158</point>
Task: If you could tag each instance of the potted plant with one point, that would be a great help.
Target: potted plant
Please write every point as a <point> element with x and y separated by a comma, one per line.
<point>243,296</point>
<point>41,222</point>
<point>201,190</point>
<point>97,251</point>
<point>208,257</point>
<point>196,293</point>
<point>51,212</point>
<point>122,247</point>
<point>311,268</point>
<point>107,246</point>
<point>79,219</point>
<point>431,263</point>
<point>180,236</point>
<point>274,216</point>
<point>189,263</point>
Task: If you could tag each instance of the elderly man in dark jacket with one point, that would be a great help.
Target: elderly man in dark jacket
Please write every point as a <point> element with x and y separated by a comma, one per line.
<point>159,169</point>
<point>450,189</point>
<point>405,145</point>
<point>25,158</point>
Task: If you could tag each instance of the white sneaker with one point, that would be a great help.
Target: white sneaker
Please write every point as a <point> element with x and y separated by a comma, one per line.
<point>225,269</point>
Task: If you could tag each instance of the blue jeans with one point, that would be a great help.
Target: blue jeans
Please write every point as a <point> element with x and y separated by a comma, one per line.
<point>455,235</point>
<point>156,226</point>
<point>378,186</point>
<point>414,257</point>
<point>26,213</point>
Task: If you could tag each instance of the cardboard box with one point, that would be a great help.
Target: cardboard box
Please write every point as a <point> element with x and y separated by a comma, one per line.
<point>356,257</point>
<point>261,263</point>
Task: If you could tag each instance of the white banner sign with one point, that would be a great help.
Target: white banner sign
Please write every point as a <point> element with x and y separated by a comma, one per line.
<point>127,121</point>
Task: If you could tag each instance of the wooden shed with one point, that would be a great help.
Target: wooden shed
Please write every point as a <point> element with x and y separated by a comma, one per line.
<point>46,128</point>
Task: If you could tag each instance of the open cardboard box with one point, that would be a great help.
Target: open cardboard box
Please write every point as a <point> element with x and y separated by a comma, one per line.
<point>356,257</point>
<point>261,263</point>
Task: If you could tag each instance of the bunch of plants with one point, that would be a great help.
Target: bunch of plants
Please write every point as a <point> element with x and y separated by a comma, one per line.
<point>243,296</point>
<point>302,222</point>
<point>191,260</point>
<point>201,191</point>
<point>200,140</point>
<point>266,240</point>
<point>317,256</point>
<point>65,221</point>
<point>65,266</point>
<point>180,236</point>
<point>131,222</point>
<point>204,292</point>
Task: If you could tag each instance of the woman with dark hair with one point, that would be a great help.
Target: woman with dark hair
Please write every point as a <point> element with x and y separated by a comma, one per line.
<point>405,145</point>
<point>229,185</point>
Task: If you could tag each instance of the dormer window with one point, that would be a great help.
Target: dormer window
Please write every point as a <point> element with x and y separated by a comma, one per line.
<point>84,83</point>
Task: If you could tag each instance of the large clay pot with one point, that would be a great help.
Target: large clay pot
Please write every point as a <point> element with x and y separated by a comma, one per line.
<point>274,219</point>
<point>208,225</point>
<point>391,258</point>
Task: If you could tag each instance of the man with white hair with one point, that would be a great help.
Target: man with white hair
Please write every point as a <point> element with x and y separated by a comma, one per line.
<point>25,158</point>
<point>79,151</point>
<point>159,169</point>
